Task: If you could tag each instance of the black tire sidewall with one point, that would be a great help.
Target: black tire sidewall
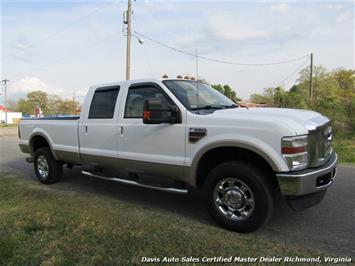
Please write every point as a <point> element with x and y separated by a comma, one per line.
<point>55,167</point>
<point>256,181</point>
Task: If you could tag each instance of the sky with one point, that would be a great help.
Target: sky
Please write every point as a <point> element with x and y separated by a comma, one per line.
<point>64,47</point>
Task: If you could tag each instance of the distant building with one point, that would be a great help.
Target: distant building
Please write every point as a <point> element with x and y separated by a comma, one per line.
<point>12,117</point>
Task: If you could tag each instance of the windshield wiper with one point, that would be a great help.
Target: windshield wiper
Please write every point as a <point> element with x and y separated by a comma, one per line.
<point>214,106</point>
<point>208,107</point>
<point>231,106</point>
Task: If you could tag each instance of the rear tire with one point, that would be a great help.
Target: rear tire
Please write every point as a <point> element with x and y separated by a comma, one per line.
<point>239,198</point>
<point>48,170</point>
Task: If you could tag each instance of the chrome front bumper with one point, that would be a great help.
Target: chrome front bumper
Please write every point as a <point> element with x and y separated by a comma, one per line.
<point>308,181</point>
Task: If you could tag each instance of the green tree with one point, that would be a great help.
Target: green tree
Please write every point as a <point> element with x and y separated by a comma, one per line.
<point>296,98</point>
<point>266,97</point>
<point>345,79</point>
<point>227,91</point>
<point>25,107</point>
<point>54,102</point>
<point>346,82</point>
<point>333,96</point>
<point>328,98</point>
<point>33,99</point>
<point>39,98</point>
<point>68,107</point>
<point>218,87</point>
<point>50,105</point>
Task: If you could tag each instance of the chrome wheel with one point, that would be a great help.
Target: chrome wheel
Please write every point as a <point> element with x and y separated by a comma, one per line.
<point>234,199</point>
<point>42,166</point>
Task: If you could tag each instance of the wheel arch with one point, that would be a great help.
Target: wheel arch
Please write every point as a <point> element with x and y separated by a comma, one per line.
<point>212,155</point>
<point>39,140</point>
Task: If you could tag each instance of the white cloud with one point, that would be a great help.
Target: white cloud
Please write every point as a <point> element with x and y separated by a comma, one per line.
<point>344,17</point>
<point>280,8</point>
<point>22,58</point>
<point>336,7</point>
<point>21,87</point>
<point>228,28</point>
<point>20,46</point>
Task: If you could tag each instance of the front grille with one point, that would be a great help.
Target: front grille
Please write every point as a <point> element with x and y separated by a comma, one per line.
<point>320,145</point>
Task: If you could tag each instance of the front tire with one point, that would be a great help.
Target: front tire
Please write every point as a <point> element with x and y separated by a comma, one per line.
<point>48,170</point>
<point>239,197</point>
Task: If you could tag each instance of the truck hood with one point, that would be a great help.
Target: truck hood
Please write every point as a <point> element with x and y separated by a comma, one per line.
<point>294,119</point>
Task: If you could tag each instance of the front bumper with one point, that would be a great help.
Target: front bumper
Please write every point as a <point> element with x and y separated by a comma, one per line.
<point>308,181</point>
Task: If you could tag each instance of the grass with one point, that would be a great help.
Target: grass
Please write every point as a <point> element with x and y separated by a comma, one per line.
<point>7,125</point>
<point>40,225</point>
<point>345,148</point>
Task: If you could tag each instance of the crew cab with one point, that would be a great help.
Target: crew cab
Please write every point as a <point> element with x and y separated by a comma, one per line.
<point>175,134</point>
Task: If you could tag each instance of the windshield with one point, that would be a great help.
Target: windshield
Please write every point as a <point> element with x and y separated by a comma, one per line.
<point>205,97</point>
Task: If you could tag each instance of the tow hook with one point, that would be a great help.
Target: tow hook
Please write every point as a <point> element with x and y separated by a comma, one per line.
<point>29,159</point>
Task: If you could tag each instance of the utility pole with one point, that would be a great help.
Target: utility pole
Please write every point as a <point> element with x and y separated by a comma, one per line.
<point>129,34</point>
<point>198,91</point>
<point>311,80</point>
<point>5,89</point>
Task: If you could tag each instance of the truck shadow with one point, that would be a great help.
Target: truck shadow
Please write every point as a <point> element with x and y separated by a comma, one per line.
<point>190,206</point>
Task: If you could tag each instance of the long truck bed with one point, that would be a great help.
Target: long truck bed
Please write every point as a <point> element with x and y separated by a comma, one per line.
<point>60,132</point>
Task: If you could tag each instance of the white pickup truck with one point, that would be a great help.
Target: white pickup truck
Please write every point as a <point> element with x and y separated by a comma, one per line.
<point>174,134</point>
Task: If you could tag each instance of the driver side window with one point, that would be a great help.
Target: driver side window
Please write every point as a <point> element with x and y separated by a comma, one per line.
<point>136,97</point>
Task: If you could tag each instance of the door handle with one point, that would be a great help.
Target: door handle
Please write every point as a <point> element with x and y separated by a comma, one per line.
<point>121,130</point>
<point>86,129</point>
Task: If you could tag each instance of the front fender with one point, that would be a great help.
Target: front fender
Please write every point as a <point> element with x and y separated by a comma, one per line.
<point>263,149</point>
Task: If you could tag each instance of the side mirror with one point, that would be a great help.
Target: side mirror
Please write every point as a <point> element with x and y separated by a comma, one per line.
<point>155,112</point>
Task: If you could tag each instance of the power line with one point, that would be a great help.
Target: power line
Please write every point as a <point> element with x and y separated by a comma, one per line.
<point>291,74</point>
<point>63,29</point>
<point>218,60</point>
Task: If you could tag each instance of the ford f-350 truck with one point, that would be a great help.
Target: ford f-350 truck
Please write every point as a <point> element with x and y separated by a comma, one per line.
<point>175,134</point>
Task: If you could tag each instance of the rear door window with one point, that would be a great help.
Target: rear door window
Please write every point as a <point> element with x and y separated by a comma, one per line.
<point>103,103</point>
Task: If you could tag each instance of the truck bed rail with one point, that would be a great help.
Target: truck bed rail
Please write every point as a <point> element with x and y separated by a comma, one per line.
<point>52,118</point>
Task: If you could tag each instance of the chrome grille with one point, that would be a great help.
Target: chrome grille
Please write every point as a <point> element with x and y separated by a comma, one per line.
<point>320,145</point>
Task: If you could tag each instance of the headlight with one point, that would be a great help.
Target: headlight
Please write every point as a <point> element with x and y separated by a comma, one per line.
<point>294,151</point>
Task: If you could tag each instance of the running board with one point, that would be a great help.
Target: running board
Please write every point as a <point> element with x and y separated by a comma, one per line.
<point>130,182</point>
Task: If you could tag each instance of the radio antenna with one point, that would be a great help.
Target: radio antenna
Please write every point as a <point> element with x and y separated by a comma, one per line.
<point>198,92</point>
